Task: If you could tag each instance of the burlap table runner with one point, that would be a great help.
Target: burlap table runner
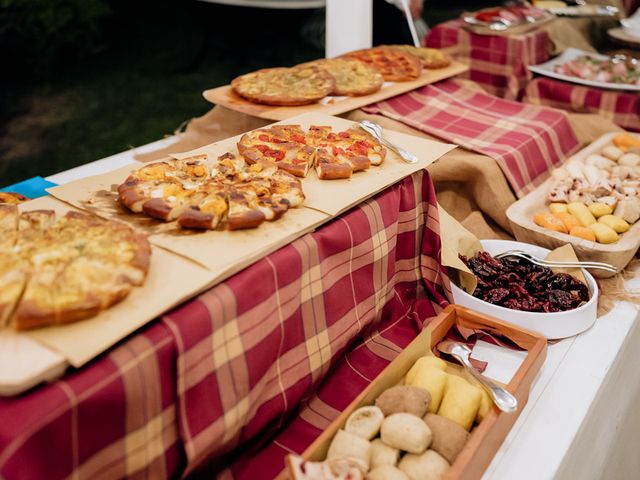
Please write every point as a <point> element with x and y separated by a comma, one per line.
<point>470,186</point>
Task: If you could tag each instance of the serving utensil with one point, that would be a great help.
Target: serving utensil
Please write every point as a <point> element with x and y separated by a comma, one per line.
<point>548,263</point>
<point>376,130</point>
<point>499,25</point>
<point>502,399</point>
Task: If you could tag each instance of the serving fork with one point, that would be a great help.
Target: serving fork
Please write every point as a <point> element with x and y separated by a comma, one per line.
<point>548,263</point>
<point>376,130</point>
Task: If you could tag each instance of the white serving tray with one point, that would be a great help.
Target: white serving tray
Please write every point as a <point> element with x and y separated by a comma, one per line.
<point>547,69</point>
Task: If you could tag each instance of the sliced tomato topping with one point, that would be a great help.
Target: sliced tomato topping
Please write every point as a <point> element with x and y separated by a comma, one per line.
<point>298,138</point>
<point>277,154</point>
<point>263,137</point>
<point>343,135</point>
<point>360,147</point>
<point>262,148</point>
<point>338,151</point>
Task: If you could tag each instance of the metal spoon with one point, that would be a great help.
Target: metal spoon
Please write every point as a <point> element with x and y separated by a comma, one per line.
<point>376,130</point>
<point>503,399</point>
<point>548,263</point>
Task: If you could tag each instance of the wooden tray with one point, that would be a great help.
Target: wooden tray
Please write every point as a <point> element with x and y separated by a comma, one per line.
<point>521,213</point>
<point>486,438</point>
<point>329,105</point>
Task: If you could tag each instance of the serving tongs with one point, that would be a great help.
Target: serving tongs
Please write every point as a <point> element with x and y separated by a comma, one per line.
<point>501,398</point>
<point>376,130</point>
<point>549,263</point>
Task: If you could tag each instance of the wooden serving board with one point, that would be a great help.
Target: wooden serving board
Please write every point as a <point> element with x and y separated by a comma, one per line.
<point>521,213</point>
<point>329,105</point>
<point>486,438</point>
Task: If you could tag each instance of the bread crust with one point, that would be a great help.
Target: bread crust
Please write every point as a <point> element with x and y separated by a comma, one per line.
<point>395,65</point>
<point>12,198</point>
<point>431,58</point>
<point>328,170</point>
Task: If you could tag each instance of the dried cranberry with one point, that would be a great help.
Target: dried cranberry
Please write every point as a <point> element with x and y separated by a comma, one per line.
<point>520,285</point>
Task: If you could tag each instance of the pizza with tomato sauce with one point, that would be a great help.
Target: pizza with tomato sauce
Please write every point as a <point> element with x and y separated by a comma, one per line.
<point>395,65</point>
<point>334,154</point>
<point>284,144</point>
<point>340,154</point>
<point>203,193</point>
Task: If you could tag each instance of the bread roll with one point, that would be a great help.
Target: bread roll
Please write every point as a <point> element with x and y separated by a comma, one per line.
<point>427,466</point>
<point>405,432</point>
<point>386,472</point>
<point>432,380</point>
<point>365,422</point>
<point>486,402</point>
<point>461,401</point>
<point>383,454</point>
<point>346,444</point>
<point>424,362</point>
<point>449,438</point>
<point>404,398</point>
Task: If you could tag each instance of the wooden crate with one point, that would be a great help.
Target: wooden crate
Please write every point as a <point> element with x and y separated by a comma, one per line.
<point>487,437</point>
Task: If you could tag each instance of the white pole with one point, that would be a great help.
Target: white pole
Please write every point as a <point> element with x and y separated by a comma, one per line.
<point>348,26</point>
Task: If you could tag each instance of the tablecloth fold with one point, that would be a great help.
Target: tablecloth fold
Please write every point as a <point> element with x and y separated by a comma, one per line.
<point>525,140</point>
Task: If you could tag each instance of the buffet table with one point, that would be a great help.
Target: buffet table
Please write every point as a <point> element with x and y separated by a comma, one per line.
<point>110,425</point>
<point>583,397</point>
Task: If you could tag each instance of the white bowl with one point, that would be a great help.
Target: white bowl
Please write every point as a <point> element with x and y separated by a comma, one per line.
<point>551,325</point>
<point>631,26</point>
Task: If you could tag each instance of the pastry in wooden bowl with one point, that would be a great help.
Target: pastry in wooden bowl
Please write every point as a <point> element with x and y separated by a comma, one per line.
<point>57,271</point>
<point>285,86</point>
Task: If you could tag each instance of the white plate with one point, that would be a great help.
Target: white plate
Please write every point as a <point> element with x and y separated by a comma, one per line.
<point>552,325</point>
<point>547,69</point>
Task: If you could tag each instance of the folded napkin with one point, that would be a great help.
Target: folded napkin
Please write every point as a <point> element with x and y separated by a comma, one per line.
<point>525,140</point>
<point>32,188</point>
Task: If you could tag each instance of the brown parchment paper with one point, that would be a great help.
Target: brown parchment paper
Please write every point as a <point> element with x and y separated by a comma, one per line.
<point>335,196</point>
<point>458,240</point>
<point>171,279</point>
<point>223,252</point>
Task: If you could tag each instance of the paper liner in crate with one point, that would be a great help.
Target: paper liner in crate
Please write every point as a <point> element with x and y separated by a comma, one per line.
<point>486,437</point>
<point>457,240</point>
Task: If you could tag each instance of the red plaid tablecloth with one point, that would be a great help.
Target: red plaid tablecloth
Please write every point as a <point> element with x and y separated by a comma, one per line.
<point>525,140</point>
<point>622,108</point>
<point>497,62</point>
<point>233,364</point>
